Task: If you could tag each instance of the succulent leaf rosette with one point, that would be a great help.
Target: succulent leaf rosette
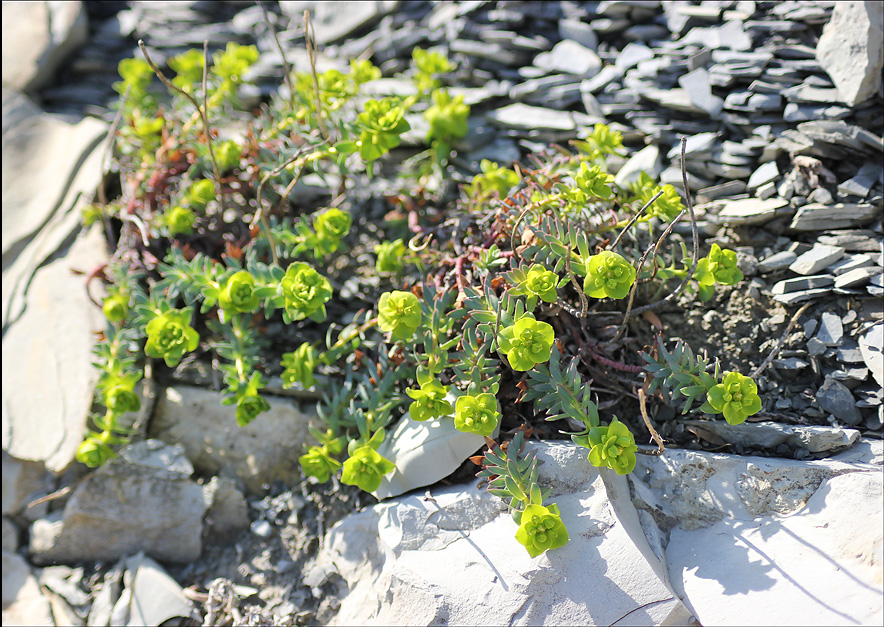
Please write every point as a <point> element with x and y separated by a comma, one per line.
<point>318,462</point>
<point>476,414</point>
<point>527,343</point>
<point>608,274</point>
<point>429,401</point>
<point>299,366</point>
<point>365,468</point>
<point>736,397</point>
<point>170,335</point>
<point>399,313</point>
<point>305,292</point>
<point>238,294</point>
<point>612,447</point>
<point>541,529</point>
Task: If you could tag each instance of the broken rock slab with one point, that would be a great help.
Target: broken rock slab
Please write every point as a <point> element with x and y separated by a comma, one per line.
<point>769,435</point>
<point>23,601</point>
<point>37,38</point>
<point>851,50</point>
<point>262,452</point>
<point>453,558</point>
<point>143,500</point>
<point>751,540</point>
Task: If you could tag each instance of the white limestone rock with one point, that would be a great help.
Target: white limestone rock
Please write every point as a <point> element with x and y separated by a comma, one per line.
<point>645,160</point>
<point>767,541</point>
<point>851,49</point>
<point>23,601</point>
<point>453,558</point>
<point>263,451</point>
<point>142,500</point>
<point>37,37</point>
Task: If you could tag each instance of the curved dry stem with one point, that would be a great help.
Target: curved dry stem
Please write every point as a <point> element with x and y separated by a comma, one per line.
<point>654,435</point>
<point>200,109</point>
<point>310,40</point>
<point>635,218</point>
<point>776,350</point>
<point>285,63</point>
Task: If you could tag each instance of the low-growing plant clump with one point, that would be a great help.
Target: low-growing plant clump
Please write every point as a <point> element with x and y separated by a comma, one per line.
<point>487,309</point>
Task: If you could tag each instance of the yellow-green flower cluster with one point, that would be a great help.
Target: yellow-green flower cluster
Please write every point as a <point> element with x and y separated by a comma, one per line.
<point>429,401</point>
<point>613,447</point>
<point>365,468</point>
<point>541,529</point>
<point>608,274</point>
<point>381,123</point>
<point>493,179</point>
<point>736,397</point>
<point>447,117</point>
<point>304,292</point>
<point>390,256</point>
<point>399,313</point>
<point>527,343</point>
<point>476,414</point>
<point>169,336</point>
<point>299,366</point>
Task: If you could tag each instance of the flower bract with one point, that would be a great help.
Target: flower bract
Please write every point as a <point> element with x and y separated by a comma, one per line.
<point>541,529</point>
<point>613,447</point>
<point>299,366</point>
<point>608,274</point>
<point>170,335</point>
<point>736,397</point>
<point>305,291</point>
<point>476,414</point>
<point>527,343</point>
<point>365,468</point>
<point>120,399</point>
<point>238,295</point>
<point>399,313</point>
<point>116,307</point>
<point>318,462</point>
<point>719,266</point>
<point>542,283</point>
<point>429,401</point>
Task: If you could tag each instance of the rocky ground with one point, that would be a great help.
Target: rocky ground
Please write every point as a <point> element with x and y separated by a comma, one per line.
<point>783,107</point>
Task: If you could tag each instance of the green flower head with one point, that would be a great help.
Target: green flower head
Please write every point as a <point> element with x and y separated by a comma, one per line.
<point>736,396</point>
<point>447,116</point>
<point>332,224</point>
<point>94,451</point>
<point>612,447</point>
<point>188,67</point>
<point>666,207</point>
<point>527,343</point>
<point>238,294</point>
<point>248,406</point>
<point>116,307</point>
<point>136,75</point>
<point>382,123</point>
<point>179,220</point>
<point>476,414</point>
<point>362,71</point>
<point>429,401</point>
<point>593,181</point>
<point>299,366</point>
<point>541,529</point>
<point>318,462</point>
<point>493,179</point>
<point>720,266</point>
<point>121,398</point>
<point>227,154</point>
<point>201,192</point>
<point>390,256</point>
<point>305,292</point>
<point>541,283</point>
<point>604,140</point>
<point>236,59</point>
<point>399,313</point>
<point>365,468</point>
<point>170,335</point>
<point>608,274</point>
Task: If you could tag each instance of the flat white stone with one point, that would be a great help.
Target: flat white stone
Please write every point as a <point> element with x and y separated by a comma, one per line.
<point>424,452</point>
<point>817,258</point>
<point>871,346</point>
<point>753,210</point>
<point>645,160</point>
<point>768,541</point>
<point>522,116</point>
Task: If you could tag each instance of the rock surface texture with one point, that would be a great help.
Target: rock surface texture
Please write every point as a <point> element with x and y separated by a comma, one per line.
<point>450,558</point>
<point>851,50</point>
